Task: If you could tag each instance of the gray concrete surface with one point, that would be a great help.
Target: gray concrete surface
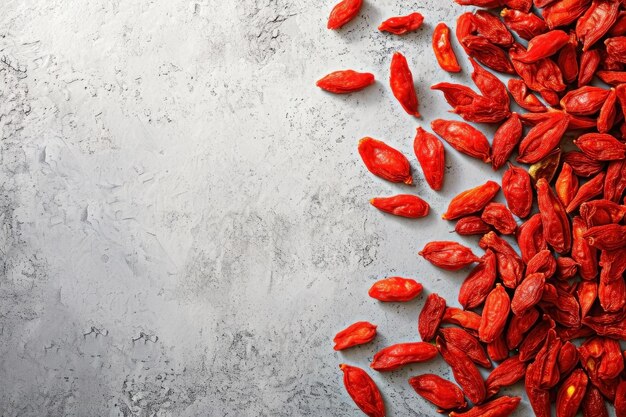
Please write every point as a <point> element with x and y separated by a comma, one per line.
<point>185,219</point>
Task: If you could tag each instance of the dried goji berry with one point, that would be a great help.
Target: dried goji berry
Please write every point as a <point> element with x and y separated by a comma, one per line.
<point>571,394</point>
<point>528,293</point>
<point>471,225</point>
<point>396,356</point>
<point>495,314</point>
<point>543,138</point>
<point>448,255</point>
<point>402,87</point>
<point>526,25</point>
<point>363,391</point>
<point>593,404</point>
<point>346,81</point>
<point>585,100</point>
<point>471,201</point>
<point>395,289</point>
<point>404,205</point>
<point>430,316</point>
<point>505,140</point>
<point>585,255</point>
<point>517,191</point>
<point>589,62</point>
<point>430,154</point>
<point>467,343</point>
<point>343,12</point>
<point>507,373</point>
<point>465,372</point>
<point>587,191</point>
<point>399,25</point>
<point>356,334</point>
<point>566,185</point>
<point>443,49</point>
<point>525,99</point>
<point>601,146</point>
<point>441,392</point>
<point>463,137</point>
<point>384,161</point>
<point>500,217</point>
<point>555,222</point>
<point>479,282</point>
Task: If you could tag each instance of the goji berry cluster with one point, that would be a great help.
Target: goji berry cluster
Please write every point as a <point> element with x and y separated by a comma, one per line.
<point>551,313</point>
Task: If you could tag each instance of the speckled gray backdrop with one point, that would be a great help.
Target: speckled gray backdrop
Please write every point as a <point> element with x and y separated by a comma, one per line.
<point>184,217</point>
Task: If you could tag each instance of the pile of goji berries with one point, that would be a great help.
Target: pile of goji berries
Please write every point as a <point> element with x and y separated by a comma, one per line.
<point>554,313</point>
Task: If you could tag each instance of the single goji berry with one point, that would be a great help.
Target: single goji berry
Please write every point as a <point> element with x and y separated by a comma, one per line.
<point>571,394</point>
<point>443,49</point>
<point>488,54</point>
<point>567,359</point>
<point>492,28</point>
<point>343,12</point>
<point>402,87</point>
<point>399,25</point>
<point>384,161</point>
<point>585,100</point>
<point>471,201</point>
<point>479,282</point>
<point>356,334</point>
<point>566,185</point>
<point>526,25</point>
<point>471,225</point>
<point>564,12</point>
<point>346,81</point>
<point>543,46</point>
<point>585,255</point>
<point>404,205</point>
<point>587,293</point>
<point>466,319</point>
<point>518,326</point>
<point>596,21</point>
<point>593,404</point>
<point>396,356</point>
<point>448,255</point>
<point>543,138</point>
<point>517,191</point>
<point>495,314</point>
<point>567,59</point>
<point>543,262</point>
<point>554,218</point>
<point>589,63</point>
<point>582,165</point>
<point>430,316</point>
<point>528,293</point>
<point>587,191</point>
<point>363,391</point>
<point>395,289</point>
<point>606,237</point>
<point>524,98</point>
<point>430,154</point>
<point>500,217</point>
<point>601,146</point>
<point>530,237</point>
<point>441,392</point>
<point>467,343</point>
<point>465,372</point>
<point>506,374</point>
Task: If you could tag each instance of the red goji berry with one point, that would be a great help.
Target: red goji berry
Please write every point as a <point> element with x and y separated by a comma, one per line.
<point>399,25</point>
<point>363,391</point>
<point>396,356</point>
<point>430,317</point>
<point>395,289</point>
<point>404,205</point>
<point>384,161</point>
<point>430,154</point>
<point>401,81</point>
<point>441,392</point>
<point>347,81</point>
<point>356,334</point>
<point>344,12</point>
<point>443,49</point>
<point>471,201</point>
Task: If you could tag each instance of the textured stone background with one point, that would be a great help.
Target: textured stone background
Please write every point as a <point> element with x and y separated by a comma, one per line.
<point>184,218</point>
